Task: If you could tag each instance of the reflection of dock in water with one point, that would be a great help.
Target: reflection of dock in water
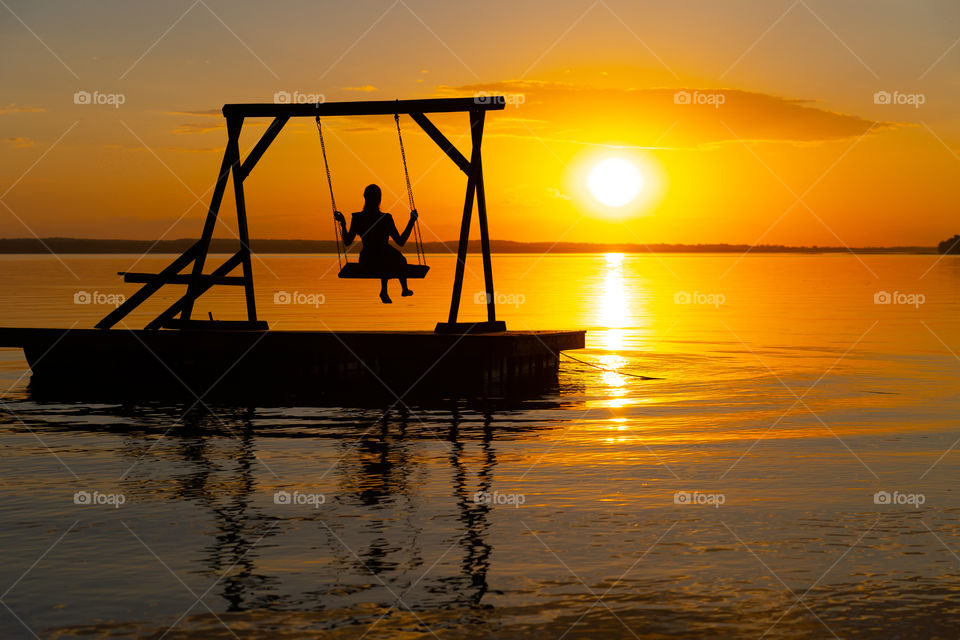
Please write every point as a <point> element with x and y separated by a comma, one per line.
<point>239,527</point>
<point>473,514</point>
<point>382,473</point>
<point>387,531</point>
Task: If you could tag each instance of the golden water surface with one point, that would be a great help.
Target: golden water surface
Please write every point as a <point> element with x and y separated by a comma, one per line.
<point>734,494</point>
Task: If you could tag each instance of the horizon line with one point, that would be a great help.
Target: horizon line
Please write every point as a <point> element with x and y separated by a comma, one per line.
<point>65,244</point>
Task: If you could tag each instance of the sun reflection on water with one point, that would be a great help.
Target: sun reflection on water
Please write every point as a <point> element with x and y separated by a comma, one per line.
<point>614,313</point>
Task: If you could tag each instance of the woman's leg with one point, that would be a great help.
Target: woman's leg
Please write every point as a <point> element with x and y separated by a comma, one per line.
<point>400,268</point>
<point>393,265</point>
<point>406,291</point>
<point>384,297</point>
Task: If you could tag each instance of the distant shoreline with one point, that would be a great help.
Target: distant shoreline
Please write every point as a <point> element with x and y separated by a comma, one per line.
<point>98,246</point>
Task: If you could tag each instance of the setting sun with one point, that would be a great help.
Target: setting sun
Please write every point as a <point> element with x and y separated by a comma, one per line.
<point>615,182</point>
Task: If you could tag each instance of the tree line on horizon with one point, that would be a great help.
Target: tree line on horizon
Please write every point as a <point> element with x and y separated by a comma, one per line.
<point>229,245</point>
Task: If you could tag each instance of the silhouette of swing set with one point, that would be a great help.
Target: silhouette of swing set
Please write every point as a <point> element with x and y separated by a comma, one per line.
<point>178,315</point>
<point>242,359</point>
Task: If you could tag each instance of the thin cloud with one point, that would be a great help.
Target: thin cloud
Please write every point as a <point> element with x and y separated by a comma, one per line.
<point>367,88</point>
<point>691,116</point>
<point>199,127</point>
<point>203,112</point>
<point>19,142</point>
<point>194,150</point>
<point>15,108</point>
<point>124,147</point>
<point>205,125</point>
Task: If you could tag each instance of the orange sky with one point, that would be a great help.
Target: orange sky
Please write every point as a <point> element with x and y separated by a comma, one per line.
<point>799,151</point>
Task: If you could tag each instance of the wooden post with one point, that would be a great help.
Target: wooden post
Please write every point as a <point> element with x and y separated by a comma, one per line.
<point>476,127</point>
<point>231,161</point>
<point>474,186</point>
<point>464,238</point>
<point>231,155</point>
<point>234,124</point>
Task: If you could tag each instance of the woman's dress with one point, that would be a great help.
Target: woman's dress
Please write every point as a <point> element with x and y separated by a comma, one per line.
<point>376,255</point>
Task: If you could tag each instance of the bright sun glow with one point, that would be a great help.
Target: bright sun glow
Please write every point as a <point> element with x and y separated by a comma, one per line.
<point>615,182</point>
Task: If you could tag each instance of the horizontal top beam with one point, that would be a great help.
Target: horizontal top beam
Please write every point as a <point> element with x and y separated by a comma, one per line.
<point>362,108</point>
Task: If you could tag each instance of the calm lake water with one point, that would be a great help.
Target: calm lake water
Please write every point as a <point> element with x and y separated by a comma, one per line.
<point>734,495</point>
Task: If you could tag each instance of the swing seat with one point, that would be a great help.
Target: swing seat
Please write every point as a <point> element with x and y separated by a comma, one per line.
<point>355,270</point>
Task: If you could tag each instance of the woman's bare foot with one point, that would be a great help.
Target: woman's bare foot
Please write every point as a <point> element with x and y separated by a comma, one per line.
<point>384,298</point>
<point>406,292</point>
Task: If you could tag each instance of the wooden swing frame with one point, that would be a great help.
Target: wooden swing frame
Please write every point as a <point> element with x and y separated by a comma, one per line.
<point>178,315</point>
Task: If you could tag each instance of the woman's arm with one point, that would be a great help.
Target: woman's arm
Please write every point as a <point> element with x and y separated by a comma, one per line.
<point>348,236</point>
<point>401,238</point>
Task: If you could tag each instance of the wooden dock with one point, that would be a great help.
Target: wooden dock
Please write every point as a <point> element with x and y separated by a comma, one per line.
<point>223,365</point>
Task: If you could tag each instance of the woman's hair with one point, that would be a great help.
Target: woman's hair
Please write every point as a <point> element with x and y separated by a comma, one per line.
<point>371,198</point>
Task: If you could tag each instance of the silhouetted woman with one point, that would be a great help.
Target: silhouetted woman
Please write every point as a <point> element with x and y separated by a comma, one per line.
<point>375,229</point>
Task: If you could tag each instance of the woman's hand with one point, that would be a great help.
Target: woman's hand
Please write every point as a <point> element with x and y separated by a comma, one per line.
<point>414,215</point>
<point>339,217</point>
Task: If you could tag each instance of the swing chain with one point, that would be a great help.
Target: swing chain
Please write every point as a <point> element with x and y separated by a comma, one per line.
<point>333,203</point>
<point>418,240</point>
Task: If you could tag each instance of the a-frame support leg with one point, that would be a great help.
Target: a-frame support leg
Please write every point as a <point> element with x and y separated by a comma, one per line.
<point>462,247</point>
<point>233,126</point>
<point>198,282</point>
<point>477,164</point>
<point>231,156</point>
<point>474,189</point>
